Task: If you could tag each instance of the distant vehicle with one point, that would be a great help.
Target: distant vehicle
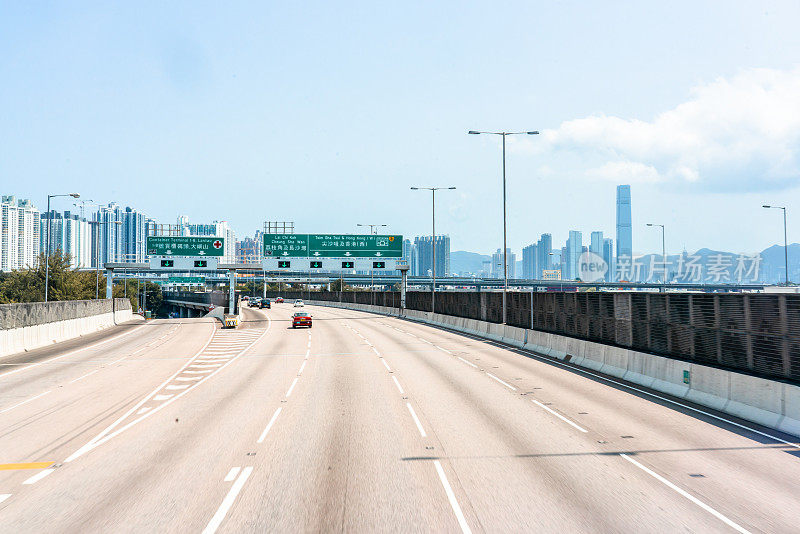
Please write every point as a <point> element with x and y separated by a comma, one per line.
<point>245,297</point>
<point>264,303</point>
<point>254,303</point>
<point>301,319</point>
<point>279,299</point>
<point>298,303</point>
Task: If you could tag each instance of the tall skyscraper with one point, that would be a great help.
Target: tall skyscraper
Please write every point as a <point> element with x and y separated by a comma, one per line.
<point>624,231</point>
<point>72,235</point>
<point>530,261</point>
<point>596,243</point>
<point>608,256</point>
<point>574,251</point>
<point>19,233</point>
<point>424,253</point>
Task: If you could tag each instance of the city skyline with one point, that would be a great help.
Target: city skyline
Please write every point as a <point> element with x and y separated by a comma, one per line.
<point>134,133</point>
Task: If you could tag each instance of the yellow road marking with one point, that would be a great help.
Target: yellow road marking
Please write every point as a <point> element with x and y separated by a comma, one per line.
<point>29,465</point>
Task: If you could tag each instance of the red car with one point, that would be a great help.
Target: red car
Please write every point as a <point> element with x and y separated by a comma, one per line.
<point>301,319</point>
<point>279,299</point>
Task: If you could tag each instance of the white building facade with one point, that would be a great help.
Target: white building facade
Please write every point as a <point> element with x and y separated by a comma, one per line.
<point>71,235</point>
<point>19,234</point>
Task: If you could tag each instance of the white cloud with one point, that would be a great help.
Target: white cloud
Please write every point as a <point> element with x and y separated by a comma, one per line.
<point>741,133</point>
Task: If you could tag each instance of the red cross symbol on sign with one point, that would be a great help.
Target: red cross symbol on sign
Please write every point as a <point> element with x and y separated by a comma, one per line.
<point>217,244</point>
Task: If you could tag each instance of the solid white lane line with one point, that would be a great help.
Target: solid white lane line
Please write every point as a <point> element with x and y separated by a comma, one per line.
<point>689,496</point>
<point>162,397</point>
<point>70,353</point>
<point>396,383</point>
<point>537,403</point>
<point>506,384</point>
<point>231,474</point>
<point>387,366</point>
<point>416,420</point>
<point>84,376</point>
<point>462,521</point>
<point>182,386</point>
<point>269,425</point>
<point>376,351</point>
<point>26,401</point>
<point>307,353</point>
<point>425,341</point>
<point>442,349</point>
<point>302,367</point>
<point>222,511</point>
<point>289,392</point>
<point>308,344</point>
<point>39,476</point>
<point>4,496</point>
<point>467,362</point>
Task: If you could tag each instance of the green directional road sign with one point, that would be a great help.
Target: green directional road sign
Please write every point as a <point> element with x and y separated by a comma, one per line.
<point>185,246</point>
<point>332,246</point>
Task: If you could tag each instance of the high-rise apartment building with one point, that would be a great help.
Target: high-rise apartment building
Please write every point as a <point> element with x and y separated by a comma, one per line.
<point>497,263</point>
<point>424,255</point>
<point>624,229</point>
<point>596,243</point>
<point>19,233</point>
<point>71,234</point>
<point>574,249</point>
<point>530,260</point>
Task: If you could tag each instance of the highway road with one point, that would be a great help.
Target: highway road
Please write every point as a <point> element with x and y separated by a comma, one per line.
<point>364,423</point>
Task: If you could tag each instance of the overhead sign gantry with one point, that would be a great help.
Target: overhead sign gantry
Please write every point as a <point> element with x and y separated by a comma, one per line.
<point>331,252</point>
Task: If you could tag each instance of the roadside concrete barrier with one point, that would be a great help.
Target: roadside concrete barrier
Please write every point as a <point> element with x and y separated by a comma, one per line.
<point>28,326</point>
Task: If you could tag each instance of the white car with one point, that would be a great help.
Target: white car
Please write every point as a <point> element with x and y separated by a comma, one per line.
<point>298,303</point>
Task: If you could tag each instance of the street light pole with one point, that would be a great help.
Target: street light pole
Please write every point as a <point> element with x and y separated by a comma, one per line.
<point>433,239</point>
<point>49,239</point>
<point>785,240</point>
<point>505,244</point>
<point>663,255</point>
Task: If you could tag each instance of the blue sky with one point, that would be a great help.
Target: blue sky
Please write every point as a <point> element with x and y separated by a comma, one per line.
<point>325,113</point>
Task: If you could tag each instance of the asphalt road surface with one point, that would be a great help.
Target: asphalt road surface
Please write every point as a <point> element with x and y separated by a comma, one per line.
<point>364,423</point>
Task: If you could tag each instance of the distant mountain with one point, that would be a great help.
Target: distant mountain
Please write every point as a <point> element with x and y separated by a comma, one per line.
<point>467,262</point>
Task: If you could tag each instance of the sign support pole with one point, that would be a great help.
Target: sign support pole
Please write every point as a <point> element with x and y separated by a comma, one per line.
<point>231,290</point>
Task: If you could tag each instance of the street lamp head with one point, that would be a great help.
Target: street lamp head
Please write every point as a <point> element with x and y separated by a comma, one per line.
<point>75,195</point>
<point>765,206</point>
<point>451,188</point>
<point>535,132</point>
<point>473,132</point>
<point>650,224</point>
<point>415,188</point>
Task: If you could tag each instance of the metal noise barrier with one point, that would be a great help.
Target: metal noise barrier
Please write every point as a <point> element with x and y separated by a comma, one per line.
<point>758,334</point>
